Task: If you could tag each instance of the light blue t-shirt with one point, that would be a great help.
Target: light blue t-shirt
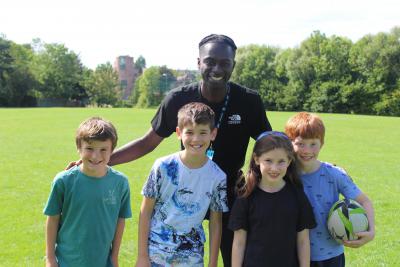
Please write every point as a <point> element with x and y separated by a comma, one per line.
<point>183,197</point>
<point>322,188</point>
<point>89,209</point>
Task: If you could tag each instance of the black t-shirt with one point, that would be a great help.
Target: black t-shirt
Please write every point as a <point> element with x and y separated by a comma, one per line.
<point>272,221</point>
<point>244,118</point>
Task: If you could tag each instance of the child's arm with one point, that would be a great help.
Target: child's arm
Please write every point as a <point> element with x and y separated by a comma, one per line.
<point>303,248</point>
<point>238,247</point>
<point>51,237</point>
<point>116,243</point>
<point>146,210</point>
<point>215,232</point>
<point>364,237</point>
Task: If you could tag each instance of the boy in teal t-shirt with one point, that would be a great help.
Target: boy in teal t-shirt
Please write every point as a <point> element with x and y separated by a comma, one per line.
<point>88,204</point>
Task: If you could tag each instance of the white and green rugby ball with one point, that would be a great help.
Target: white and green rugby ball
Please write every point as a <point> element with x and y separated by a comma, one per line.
<point>346,218</point>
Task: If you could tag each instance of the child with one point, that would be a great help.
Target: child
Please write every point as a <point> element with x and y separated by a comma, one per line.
<point>272,215</point>
<point>323,183</point>
<point>88,204</point>
<point>179,190</point>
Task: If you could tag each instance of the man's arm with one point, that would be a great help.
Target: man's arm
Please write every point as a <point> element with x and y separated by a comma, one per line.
<point>215,232</point>
<point>146,210</point>
<point>303,248</point>
<point>116,243</point>
<point>51,237</point>
<point>238,247</point>
<point>136,148</point>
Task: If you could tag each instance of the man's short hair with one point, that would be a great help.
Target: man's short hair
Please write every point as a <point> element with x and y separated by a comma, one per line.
<point>218,38</point>
<point>196,113</point>
<point>96,129</point>
<point>306,125</point>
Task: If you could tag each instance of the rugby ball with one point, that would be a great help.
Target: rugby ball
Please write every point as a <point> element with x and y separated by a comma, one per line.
<point>346,218</point>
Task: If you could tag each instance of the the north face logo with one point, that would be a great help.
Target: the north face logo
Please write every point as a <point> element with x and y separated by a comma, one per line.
<point>234,119</point>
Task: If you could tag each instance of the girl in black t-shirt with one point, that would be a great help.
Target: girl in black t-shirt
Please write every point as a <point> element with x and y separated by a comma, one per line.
<point>272,216</point>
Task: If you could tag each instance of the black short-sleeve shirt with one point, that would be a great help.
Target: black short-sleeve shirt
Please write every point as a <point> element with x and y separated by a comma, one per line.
<point>272,221</point>
<point>244,118</point>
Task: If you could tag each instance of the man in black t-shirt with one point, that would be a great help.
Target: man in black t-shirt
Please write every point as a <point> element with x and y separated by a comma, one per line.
<point>239,115</point>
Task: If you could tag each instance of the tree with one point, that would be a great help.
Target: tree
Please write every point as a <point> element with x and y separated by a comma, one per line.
<point>58,71</point>
<point>140,64</point>
<point>375,61</point>
<point>255,69</point>
<point>102,85</point>
<point>148,88</point>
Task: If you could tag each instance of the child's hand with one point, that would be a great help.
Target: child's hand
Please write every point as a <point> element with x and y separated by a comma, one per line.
<point>51,262</point>
<point>114,261</point>
<point>363,238</point>
<point>143,262</point>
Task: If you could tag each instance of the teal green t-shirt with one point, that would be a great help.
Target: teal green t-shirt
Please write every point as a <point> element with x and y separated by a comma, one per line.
<point>89,209</point>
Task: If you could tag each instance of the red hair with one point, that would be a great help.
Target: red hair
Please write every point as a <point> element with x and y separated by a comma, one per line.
<point>306,125</point>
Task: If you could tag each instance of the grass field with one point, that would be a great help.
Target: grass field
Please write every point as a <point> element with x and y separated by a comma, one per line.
<point>35,144</point>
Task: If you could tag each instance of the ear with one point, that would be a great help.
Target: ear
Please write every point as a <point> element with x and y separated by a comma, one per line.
<point>256,159</point>
<point>214,134</point>
<point>178,132</point>
<point>198,63</point>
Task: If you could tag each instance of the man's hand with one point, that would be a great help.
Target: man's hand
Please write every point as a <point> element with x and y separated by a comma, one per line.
<point>73,163</point>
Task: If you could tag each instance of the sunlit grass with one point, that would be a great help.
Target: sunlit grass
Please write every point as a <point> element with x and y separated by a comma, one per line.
<point>37,143</point>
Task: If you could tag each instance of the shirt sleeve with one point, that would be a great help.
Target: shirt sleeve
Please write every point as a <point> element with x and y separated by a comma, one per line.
<point>55,201</point>
<point>261,123</point>
<point>346,185</point>
<point>306,218</point>
<point>219,200</point>
<point>165,121</point>
<point>125,210</point>
<point>239,215</point>
<point>151,188</point>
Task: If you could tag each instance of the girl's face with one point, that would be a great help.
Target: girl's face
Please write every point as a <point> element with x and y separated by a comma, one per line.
<point>273,165</point>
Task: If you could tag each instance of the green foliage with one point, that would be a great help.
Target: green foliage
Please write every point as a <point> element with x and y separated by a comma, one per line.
<point>58,71</point>
<point>140,63</point>
<point>149,89</point>
<point>102,85</point>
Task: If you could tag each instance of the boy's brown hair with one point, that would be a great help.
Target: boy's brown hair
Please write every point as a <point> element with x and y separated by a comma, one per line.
<point>306,125</point>
<point>96,129</point>
<point>196,113</point>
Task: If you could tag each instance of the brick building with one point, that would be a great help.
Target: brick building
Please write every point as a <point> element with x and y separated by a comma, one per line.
<point>127,74</point>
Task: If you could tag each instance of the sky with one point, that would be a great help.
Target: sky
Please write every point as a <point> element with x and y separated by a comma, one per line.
<point>168,32</point>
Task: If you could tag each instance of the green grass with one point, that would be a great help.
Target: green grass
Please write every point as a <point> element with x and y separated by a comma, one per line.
<point>35,144</point>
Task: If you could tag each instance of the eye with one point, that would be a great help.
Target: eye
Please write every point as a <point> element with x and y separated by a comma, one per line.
<point>209,62</point>
<point>226,64</point>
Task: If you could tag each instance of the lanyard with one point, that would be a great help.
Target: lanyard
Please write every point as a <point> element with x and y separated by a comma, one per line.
<point>210,150</point>
<point>224,107</point>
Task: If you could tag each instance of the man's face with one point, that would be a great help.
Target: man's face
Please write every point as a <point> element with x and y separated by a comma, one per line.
<point>216,62</point>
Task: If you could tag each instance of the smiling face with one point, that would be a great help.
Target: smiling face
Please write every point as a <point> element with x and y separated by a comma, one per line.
<point>216,62</point>
<point>95,156</point>
<point>196,139</point>
<point>307,150</point>
<point>273,166</point>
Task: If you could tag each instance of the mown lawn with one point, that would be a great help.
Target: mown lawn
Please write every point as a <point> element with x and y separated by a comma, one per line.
<point>37,143</point>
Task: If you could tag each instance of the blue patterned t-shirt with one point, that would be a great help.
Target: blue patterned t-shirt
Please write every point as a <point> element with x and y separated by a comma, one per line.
<point>183,196</point>
<point>323,188</point>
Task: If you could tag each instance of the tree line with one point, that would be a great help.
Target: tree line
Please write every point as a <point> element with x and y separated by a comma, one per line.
<point>322,74</point>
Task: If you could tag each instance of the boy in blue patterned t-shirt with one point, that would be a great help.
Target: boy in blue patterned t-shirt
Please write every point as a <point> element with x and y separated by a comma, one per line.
<point>88,204</point>
<point>180,189</point>
<point>323,182</point>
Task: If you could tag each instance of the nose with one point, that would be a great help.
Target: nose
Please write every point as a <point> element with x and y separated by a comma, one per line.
<point>95,154</point>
